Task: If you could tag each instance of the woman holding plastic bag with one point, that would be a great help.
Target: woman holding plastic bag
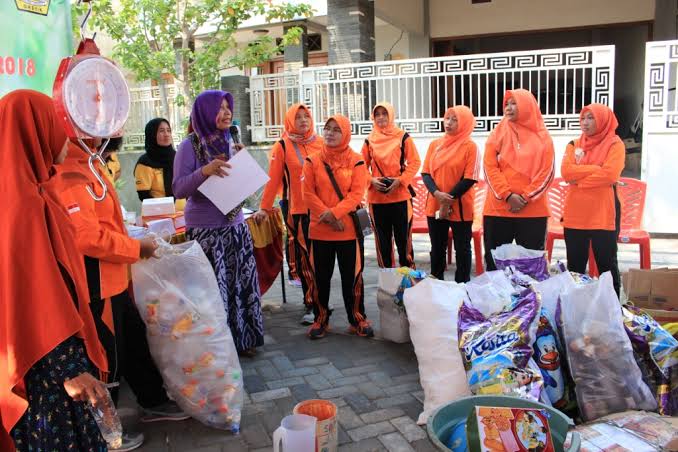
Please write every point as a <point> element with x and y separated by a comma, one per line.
<point>451,167</point>
<point>592,166</point>
<point>49,349</point>
<point>518,165</point>
<point>225,239</point>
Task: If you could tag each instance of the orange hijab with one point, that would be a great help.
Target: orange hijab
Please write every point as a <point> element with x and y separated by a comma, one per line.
<point>291,132</point>
<point>451,142</point>
<point>339,156</point>
<point>382,139</point>
<point>597,146</point>
<point>522,142</point>
<point>36,241</point>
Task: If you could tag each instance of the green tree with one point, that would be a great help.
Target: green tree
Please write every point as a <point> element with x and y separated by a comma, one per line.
<point>188,39</point>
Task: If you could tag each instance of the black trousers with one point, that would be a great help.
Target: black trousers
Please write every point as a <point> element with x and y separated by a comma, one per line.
<point>127,351</point>
<point>604,245</point>
<point>527,232</point>
<point>351,257</point>
<point>393,221</point>
<point>461,236</point>
<point>297,228</point>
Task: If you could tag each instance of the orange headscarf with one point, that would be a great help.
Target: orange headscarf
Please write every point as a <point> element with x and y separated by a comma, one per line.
<point>522,142</point>
<point>596,146</point>
<point>36,245</point>
<point>382,139</point>
<point>466,122</point>
<point>339,156</point>
<point>291,132</point>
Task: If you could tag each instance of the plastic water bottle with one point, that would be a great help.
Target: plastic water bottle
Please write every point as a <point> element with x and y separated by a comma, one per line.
<point>108,421</point>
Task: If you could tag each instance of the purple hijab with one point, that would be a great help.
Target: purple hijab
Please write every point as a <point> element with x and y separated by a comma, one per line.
<point>204,121</point>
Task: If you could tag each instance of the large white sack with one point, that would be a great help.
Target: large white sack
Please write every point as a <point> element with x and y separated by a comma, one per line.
<point>432,309</point>
<point>393,322</point>
<point>490,292</point>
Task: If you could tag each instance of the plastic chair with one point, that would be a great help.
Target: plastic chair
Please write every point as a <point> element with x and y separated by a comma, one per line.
<point>631,194</point>
<point>477,229</point>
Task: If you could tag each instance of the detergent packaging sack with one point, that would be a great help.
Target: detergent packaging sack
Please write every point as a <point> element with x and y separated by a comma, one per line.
<point>550,358</point>
<point>496,350</point>
<point>657,356</point>
<point>529,262</point>
<point>178,298</point>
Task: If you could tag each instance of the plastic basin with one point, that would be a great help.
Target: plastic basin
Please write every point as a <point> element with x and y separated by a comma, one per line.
<point>441,423</point>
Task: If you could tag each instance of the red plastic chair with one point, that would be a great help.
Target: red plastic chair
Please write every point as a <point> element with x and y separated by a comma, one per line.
<point>477,229</point>
<point>419,223</point>
<point>631,193</point>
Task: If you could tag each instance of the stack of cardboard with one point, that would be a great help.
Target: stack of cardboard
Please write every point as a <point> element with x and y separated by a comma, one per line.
<point>655,291</point>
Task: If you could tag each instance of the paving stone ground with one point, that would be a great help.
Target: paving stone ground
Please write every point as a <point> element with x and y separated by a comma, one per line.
<point>374,383</point>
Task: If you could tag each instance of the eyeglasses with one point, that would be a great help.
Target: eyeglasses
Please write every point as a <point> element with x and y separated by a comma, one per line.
<point>331,130</point>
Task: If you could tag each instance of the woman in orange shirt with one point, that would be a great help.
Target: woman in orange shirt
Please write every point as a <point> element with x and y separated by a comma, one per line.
<point>451,167</point>
<point>393,160</point>
<point>332,229</point>
<point>287,160</point>
<point>592,166</point>
<point>519,167</point>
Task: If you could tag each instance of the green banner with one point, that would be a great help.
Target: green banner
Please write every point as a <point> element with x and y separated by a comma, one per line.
<point>36,35</point>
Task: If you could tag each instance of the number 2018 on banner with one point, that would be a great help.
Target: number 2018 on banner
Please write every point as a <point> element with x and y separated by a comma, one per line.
<point>19,66</point>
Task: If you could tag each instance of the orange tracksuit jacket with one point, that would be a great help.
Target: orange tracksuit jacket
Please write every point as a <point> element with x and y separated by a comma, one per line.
<point>590,202</point>
<point>319,195</point>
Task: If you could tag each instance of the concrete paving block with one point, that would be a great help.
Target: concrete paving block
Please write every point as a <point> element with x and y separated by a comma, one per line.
<point>394,442</point>
<point>381,415</point>
<point>370,431</point>
<point>348,419</point>
<point>270,395</point>
<point>285,382</point>
<point>410,430</point>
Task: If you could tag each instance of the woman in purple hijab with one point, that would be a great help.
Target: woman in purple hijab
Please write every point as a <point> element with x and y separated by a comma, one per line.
<point>225,239</point>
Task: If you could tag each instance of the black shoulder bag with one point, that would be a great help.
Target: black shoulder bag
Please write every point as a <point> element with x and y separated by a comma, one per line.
<point>360,217</point>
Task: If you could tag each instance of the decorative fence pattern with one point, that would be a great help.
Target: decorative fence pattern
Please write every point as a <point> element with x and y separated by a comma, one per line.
<point>563,80</point>
<point>146,104</point>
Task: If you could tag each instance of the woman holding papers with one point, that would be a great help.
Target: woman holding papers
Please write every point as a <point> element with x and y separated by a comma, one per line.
<point>334,185</point>
<point>225,239</point>
<point>287,159</point>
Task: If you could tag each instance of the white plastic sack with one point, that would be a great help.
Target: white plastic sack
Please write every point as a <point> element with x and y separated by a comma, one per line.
<point>490,292</point>
<point>530,262</point>
<point>392,318</point>
<point>599,352</point>
<point>432,309</point>
<point>190,341</point>
<point>550,291</point>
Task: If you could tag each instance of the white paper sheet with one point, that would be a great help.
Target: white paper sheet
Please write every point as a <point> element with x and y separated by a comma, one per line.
<point>244,178</point>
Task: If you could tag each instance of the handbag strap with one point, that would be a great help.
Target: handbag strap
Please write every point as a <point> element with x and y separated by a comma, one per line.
<point>330,174</point>
<point>296,149</point>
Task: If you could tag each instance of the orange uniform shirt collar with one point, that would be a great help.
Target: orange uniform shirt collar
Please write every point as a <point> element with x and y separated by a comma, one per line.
<point>452,142</point>
<point>522,142</point>
<point>384,140</point>
<point>290,130</point>
<point>597,146</point>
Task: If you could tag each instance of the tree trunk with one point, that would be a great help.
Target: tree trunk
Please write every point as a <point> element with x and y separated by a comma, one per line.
<point>185,74</point>
<point>162,84</point>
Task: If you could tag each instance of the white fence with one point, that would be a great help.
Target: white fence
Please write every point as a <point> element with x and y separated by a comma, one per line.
<point>660,136</point>
<point>146,104</point>
<point>563,80</point>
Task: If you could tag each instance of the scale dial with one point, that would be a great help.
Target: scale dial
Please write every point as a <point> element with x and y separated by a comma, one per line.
<point>96,96</point>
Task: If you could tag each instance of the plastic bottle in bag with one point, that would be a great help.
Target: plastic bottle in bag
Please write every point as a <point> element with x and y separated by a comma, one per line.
<point>107,420</point>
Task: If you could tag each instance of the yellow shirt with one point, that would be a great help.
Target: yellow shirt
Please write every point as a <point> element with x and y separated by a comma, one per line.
<point>112,170</point>
<point>150,179</point>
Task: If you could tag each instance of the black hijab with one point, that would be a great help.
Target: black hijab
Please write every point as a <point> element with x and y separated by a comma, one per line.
<point>157,156</point>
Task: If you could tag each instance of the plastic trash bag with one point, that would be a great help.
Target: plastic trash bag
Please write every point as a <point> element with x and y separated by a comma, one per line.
<point>496,350</point>
<point>490,292</point>
<point>606,376</point>
<point>392,316</point>
<point>432,309</point>
<point>531,262</point>
<point>189,338</point>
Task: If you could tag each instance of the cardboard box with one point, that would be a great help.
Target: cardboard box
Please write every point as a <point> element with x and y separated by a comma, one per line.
<point>493,429</point>
<point>655,289</point>
<point>178,219</point>
<point>157,206</point>
<point>164,227</point>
